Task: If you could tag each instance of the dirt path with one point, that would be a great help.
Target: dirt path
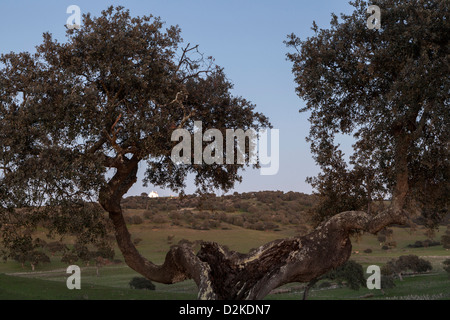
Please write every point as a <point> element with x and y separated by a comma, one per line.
<point>50,273</point>
<point>35,273</point>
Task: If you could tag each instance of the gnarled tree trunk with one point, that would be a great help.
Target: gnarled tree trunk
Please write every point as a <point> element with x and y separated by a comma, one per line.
<point>223,274</point>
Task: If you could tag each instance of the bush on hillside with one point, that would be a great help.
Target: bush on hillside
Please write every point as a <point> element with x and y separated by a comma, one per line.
<point>406,263</point>
<point>447,266</point>
<point>424,244</point>
<point>141,283</point>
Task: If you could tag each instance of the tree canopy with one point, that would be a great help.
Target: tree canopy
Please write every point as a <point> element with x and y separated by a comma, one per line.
<point>388,88</point>
<point>78,117</point>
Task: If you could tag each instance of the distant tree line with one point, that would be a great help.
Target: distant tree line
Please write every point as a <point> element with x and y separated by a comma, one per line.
<point>264,210</point>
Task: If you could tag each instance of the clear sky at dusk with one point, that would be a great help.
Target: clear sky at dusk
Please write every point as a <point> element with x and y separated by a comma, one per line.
<point>245,37</point>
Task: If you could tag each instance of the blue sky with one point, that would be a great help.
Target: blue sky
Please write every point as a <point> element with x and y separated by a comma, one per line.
<point>245,37</point>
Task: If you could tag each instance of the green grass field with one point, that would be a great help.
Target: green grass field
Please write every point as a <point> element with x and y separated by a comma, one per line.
<point>48,281</point>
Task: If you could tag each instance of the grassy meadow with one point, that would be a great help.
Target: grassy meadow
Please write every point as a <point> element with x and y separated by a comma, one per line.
<point>111,282</point>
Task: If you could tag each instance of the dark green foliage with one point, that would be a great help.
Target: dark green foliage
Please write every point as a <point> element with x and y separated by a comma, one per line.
<point>413,263</point>
<point>424,244</point>
<point>25,250</point>
<point>106,252</point>
<point>141,283</point>
<point>406,263</point>
<point>447,266</point>
<point>34,257</point>
<point>388,90</point>
<point>325,284</point>
<point>387,282</point>
<point>69,258</point>
<point>107,98</point>
<point>351,273</point>
<point>56,246</point>
<point>445,239</point>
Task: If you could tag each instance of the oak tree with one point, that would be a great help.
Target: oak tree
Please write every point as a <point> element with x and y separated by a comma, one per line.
<point>388,89</point>
<point>78,118</point>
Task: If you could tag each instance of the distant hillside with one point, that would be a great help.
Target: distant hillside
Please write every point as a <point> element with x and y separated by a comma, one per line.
<point>263,210</point>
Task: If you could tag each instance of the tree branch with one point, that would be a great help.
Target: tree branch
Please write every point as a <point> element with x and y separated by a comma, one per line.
<point>422,122</point>
<point>6,169</point>
<point>113,137</point>
<point>96,145</point>
<point>183,55</point>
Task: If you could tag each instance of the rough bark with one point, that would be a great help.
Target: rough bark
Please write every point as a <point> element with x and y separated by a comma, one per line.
<point>223,274</point>
<point>180,264</point>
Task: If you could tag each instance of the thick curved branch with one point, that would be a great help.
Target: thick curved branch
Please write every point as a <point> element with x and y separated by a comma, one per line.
<point>361,221</point>
<point>299,259</point>
<point>223,274</point>
<point>180,263</point>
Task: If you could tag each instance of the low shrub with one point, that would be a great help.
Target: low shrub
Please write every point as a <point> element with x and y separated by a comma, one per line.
<point>133,219</point>
<point>159,218</point>
<point>141,283</point>
<point>406,263</point>
<point>325,284</point>
<point>425,243</point>
<point>387,282</point>
<point>447,266</point>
